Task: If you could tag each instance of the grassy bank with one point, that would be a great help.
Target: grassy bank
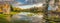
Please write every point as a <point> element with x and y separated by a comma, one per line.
<point>5,17</point>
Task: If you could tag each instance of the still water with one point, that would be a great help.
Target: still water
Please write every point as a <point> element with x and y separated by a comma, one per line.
<point>27,16</point>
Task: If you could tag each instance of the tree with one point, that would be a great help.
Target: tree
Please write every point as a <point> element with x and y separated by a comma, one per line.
<point>11,7</point>
<point>46,10</point>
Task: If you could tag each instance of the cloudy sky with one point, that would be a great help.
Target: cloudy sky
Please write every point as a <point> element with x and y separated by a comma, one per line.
<point>28,3</point>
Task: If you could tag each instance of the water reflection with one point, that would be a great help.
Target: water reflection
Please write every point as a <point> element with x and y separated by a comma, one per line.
<point>27,16</point>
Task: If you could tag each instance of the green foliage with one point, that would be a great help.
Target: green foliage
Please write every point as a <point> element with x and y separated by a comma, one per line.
<point>53,19</point>
<point>21,21</point>
<point>29,15</point>
<point>3,18</point>
<point>11,7</point>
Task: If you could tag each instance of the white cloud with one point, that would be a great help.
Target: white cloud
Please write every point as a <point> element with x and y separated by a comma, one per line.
<point>17,3</point>
<point>25,7</point>
<point>29,6</point>
<point>38,5</point>
<point>26,0</point>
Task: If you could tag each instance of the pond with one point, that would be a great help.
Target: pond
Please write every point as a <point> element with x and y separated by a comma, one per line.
<point>27,16</point>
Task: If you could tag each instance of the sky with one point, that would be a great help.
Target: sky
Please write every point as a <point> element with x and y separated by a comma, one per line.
<point>29,6</point>
<point>27,3</point>
<point>30,1</point>
<point>24,4</point>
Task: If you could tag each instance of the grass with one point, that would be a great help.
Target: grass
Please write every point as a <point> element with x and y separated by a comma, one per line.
<point>3,17</point>
<point>13,13</point>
